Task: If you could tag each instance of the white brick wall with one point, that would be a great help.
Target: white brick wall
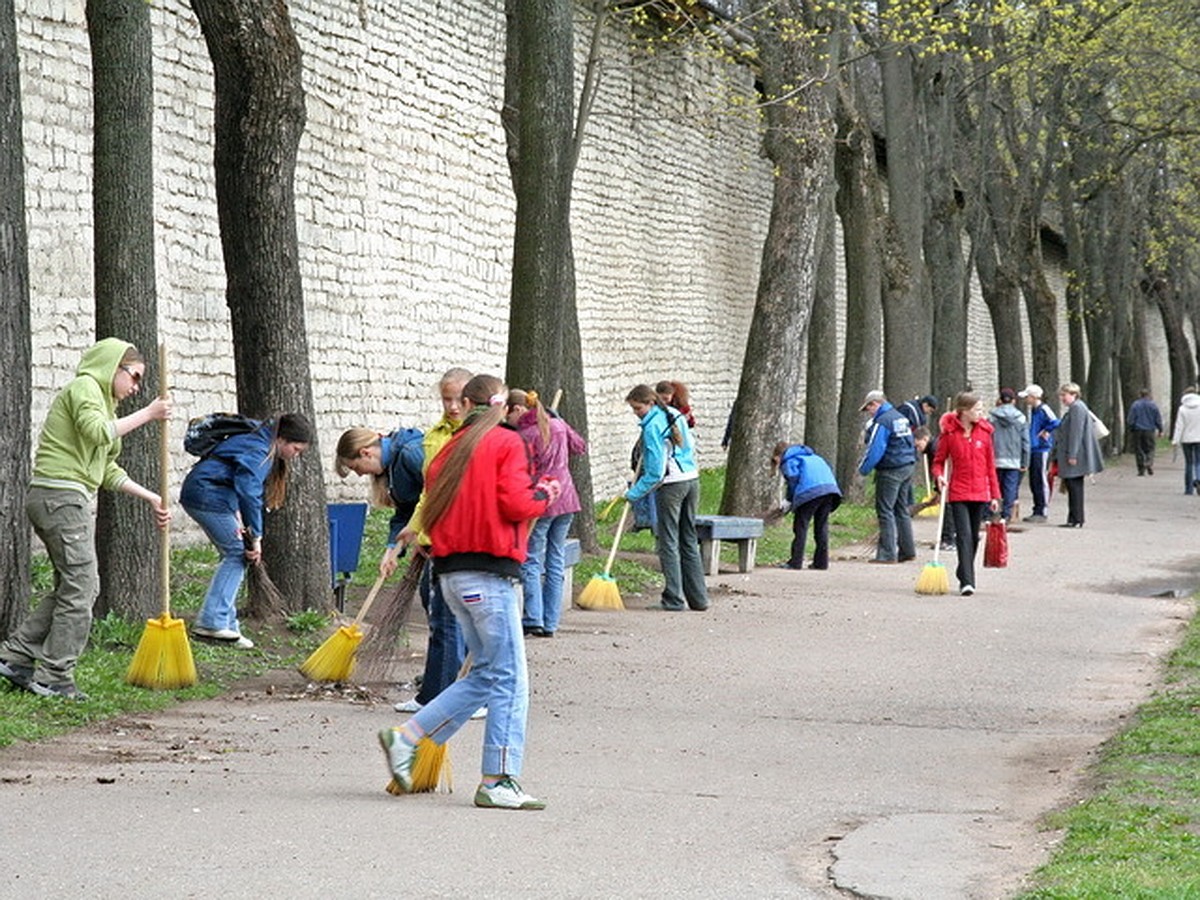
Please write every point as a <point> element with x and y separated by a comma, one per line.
<point>405,212</point>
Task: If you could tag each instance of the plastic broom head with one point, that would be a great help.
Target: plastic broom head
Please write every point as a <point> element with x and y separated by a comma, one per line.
<point>334,659</point>
<point>934,579</point>
<point>163,659</point>
<point>430,769</point>
<point>600,593</point>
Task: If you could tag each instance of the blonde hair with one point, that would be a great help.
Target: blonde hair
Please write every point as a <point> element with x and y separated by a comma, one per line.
<point>352,442</point>
<point>543,418</point>
<point>439,497</point>
<point>1069,387</point>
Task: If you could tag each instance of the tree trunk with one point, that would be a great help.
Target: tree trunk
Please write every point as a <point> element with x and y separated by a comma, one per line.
<point>820,380</point>
<point>798,141</point>
<point>259,120</point>
<point>943,235</point>
<point>1179,352</point>
<point>15,343</point>
<point>858,205</point>
<point>539,79</point>
<point>126,304</point>
<point>907,311</point>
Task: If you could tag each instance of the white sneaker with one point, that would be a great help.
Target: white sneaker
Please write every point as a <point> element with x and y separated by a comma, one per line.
<point>480,713</point>
<point>506,794</point>
<point>399,755</point>
<point>967,590</point>
<point>243,643</point>
<point>215,634</point>
<point>408,706</point>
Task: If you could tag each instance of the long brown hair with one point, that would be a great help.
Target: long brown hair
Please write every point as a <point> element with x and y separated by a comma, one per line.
<point>352,442</point>
<point>643,393</point>
<point>291,427</point>
<point>485,415</point>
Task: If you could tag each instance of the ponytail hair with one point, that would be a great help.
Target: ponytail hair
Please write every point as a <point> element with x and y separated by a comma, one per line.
<point>645,394</point>
<point>296,429</point>
<point>489,401</point>
<point>543,418</point>
<point>352,442</point>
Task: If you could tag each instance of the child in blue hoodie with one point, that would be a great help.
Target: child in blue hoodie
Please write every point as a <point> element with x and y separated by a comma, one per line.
<point>812,493</point>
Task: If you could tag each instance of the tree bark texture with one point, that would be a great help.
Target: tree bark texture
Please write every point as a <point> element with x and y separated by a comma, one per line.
<point>15,343</point>
<point>126,302</point>
<point>259,120</point>
<point>798,140</point>
<point>858,204</point>
<point>907,310</point>
<point>820,380</point>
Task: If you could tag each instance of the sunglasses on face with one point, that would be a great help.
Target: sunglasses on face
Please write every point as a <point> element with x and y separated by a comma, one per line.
<point>134,375</point>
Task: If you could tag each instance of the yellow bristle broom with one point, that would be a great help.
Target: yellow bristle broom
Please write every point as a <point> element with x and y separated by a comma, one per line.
<point>925,507</point>
<point>934,579</point>
<point>163,658</point>
<point>431,769</point>
<point>334,660</point>
<point>602,592</point>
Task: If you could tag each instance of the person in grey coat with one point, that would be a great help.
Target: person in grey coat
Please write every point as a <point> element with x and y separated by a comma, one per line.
<point>1010,443</point>
<point>1076,451</point>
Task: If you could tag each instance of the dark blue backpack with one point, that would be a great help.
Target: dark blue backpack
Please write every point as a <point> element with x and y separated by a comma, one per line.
<point>205,433</point>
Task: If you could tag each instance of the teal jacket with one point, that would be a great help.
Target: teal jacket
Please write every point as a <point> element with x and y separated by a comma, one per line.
<point>78,446</point>
<point>663,460</point>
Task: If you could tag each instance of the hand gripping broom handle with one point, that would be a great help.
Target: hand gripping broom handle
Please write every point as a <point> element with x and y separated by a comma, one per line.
<point>612,554</point>
<point>362,613</point>
<point>937,538</point>
<point>164,486</point>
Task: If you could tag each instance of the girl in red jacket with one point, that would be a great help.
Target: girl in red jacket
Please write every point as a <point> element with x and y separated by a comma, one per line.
<point>965,461</point>
<point>479,498</point>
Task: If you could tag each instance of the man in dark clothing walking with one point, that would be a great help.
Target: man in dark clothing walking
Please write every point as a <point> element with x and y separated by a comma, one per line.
<point>1145,427</point>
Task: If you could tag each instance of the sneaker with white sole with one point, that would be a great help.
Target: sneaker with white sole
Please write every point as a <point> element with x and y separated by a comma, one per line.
<point>399,755</point>
<point>20,676</point>
<point>408,706</point>
<point>506,794</point>
<point>967,590</point>
<point>215,634</point>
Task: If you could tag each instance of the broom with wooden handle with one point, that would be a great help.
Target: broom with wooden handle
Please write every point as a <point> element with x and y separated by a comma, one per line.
<point>163,658</point>
<point>934,579</point>
<point>602,592</point>
<point>334,660</point>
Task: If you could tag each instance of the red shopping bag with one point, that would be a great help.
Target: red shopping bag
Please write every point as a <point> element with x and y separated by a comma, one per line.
<point>995,545</point>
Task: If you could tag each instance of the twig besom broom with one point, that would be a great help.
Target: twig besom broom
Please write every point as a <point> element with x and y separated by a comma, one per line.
<point>163,658</point>
<point>602,592</point>
<point>334,660</point>
<point>934,579</point>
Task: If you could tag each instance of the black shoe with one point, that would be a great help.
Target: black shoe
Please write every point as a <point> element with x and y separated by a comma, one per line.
<point>1149,470</point>
<point>17,675</point>
<point>790,565</point>
<point>64,691</point>
<point>1071,525</point>
<point>535,631</point>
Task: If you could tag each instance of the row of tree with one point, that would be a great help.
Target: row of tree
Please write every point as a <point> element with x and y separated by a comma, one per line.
<point>950,141</point>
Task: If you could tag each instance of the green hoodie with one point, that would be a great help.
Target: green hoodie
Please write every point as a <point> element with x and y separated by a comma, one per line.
<point>78,447</point>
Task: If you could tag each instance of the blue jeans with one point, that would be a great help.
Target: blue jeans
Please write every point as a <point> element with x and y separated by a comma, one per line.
<point>489,614</point>
<point>1191,467</point>
<point>543,570</point>
<point>891,509</point>
<point>1010,487</point>
<point>219,610</point>
<point>444,651</point>
<point>679,547</point>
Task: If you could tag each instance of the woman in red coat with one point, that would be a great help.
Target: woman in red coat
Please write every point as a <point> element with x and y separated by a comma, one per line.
<point>965,461</point>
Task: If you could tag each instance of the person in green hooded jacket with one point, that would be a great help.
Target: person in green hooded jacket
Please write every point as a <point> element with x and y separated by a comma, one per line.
<point>76,456</point>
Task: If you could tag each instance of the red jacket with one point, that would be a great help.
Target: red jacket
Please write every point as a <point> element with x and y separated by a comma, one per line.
<point>486,526</point>
<point>972,463</point>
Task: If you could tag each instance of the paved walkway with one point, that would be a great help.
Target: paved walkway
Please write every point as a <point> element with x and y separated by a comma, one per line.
<point>814,733</point>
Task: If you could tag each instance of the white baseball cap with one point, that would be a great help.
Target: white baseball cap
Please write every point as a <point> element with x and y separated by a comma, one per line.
<point>1032,390</point>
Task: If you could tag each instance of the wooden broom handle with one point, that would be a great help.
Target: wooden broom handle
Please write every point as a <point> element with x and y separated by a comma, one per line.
<point>362,613</point>
<point>612,554</point>
<point>937,543</point>
<point>164,485</point>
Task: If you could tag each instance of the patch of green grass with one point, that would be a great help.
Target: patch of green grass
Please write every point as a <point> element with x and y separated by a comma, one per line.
<point>1138,836</point>
<point>307,621</point>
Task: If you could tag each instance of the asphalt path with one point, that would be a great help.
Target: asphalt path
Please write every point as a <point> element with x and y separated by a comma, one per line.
<point>813,735</point>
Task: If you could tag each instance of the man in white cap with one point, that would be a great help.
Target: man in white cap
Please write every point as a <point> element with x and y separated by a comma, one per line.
<point>1042,421</point>
<point>891,454</point>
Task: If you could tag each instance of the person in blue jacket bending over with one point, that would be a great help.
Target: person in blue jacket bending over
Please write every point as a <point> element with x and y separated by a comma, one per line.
<point>812,494</point>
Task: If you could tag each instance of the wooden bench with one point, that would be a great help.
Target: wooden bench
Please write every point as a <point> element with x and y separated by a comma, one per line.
<point>744,532</point>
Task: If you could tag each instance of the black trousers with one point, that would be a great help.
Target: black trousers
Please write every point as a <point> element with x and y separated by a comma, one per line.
<point>1074,500</point>
<point>816,511</point>
<point>967,516</point>
<point>1143,449</point>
